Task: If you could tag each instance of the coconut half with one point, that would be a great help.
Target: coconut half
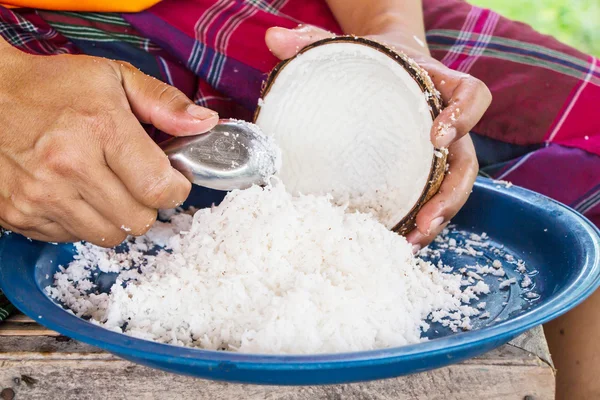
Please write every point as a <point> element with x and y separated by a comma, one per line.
<point>353,119</point>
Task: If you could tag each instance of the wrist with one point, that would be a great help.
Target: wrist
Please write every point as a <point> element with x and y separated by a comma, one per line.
<point>399,30</point>
<point>10,56</point>
<point>4,45</point>
<point>7,50</point>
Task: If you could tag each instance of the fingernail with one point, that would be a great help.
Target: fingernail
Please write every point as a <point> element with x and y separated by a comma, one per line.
<point>416,248</point>
<point>414,237</point>
<point>302,28</point>
<point>201,112</point>
<point>435,223</point>
<point>311,32</point>
<point>445,135</point>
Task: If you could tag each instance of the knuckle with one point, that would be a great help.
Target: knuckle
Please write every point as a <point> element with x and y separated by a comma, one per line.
<point>54,232</point>
<point>61,160</point>
<point>470,81</point>
<point>472,162</point>
<point>149,222</point>
<point>126,64</point>
<point>144,222</point>
<point>465,79</point>
<point>475,167</point>
<point>156,192</point>
<point>64,237</point>
<point>17,219</point>
<point>69,167</point>
<point>158,186</point>
<point>35,193</point>
<point>168,95</point>
<point>122,65</point>
<point>101,123</point>
<point>113,238</point>
<point>488,95</point>
<point>471,168</point>
<point>482,88</point>
<point>478,83</point>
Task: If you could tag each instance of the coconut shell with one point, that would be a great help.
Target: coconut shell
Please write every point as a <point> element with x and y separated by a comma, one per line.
<point>438,164</point>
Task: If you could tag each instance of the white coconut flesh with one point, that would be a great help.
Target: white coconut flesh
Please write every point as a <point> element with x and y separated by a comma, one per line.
<point>353,123</point>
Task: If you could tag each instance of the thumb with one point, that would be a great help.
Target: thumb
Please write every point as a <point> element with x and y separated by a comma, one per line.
<point>165,107</point>
<point>286,43</point>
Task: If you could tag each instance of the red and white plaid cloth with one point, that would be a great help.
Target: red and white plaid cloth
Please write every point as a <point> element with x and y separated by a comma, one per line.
<point>541,131</point>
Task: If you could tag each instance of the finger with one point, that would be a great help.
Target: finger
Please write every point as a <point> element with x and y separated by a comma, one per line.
<point>47,232</point>
<point>106,193</point>
<point>83,221</point>
<point>454,192</point>
<point>467,98</point>
<point>77,219</point>
<point>286,43</point>
<point>144,168</point>
<point>37,235</point>
<point>17,211</point>
<point>168,109</point>
<point>19,219</point>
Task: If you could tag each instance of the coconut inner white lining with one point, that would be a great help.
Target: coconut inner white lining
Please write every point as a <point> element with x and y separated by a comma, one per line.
<point>351,122</point>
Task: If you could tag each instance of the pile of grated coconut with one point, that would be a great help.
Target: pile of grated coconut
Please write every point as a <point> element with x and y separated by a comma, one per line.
<point>267,272</point>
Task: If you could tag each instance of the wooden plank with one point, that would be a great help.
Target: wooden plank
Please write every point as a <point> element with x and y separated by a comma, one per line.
<point>41,366</point>
<point>10,328</point>
<point>63,348</point>
<point>26,331</point>
<point>19,318</point>
<point>51,349</point>
<point>534,341</point>
<point>31,345</point>
<point>53,345</point>
<point>119,379</point>
<point>21,325</point>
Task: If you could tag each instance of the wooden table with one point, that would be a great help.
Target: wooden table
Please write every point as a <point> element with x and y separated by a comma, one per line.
<point>36,363</point>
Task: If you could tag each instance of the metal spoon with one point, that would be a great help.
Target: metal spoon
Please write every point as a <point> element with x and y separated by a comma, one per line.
<point>233,155</point>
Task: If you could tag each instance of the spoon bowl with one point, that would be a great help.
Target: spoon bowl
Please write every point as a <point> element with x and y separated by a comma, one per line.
<point>233,155</point>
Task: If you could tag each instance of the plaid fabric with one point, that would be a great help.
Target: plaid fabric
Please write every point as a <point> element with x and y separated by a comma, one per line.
<point>544,91</point>
<point>540,131</point>
<point>6,309</point>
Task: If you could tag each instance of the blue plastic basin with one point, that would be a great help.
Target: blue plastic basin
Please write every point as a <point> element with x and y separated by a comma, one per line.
<point>555,241</point>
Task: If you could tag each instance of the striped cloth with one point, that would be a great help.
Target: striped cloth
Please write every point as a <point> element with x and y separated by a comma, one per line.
<point>6,309</point>
<point>541,131</point>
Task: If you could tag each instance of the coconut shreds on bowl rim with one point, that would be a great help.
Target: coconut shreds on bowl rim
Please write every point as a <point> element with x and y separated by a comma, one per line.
<point>310,266</point>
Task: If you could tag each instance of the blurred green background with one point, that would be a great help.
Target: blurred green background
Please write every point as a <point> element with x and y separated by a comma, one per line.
<point>575,22</point>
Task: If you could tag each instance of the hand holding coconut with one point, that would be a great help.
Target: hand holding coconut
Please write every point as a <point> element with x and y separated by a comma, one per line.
<point>465,99</point>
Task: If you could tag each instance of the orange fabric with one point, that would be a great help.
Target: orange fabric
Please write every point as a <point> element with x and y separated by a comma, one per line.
<point>83,5</point>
